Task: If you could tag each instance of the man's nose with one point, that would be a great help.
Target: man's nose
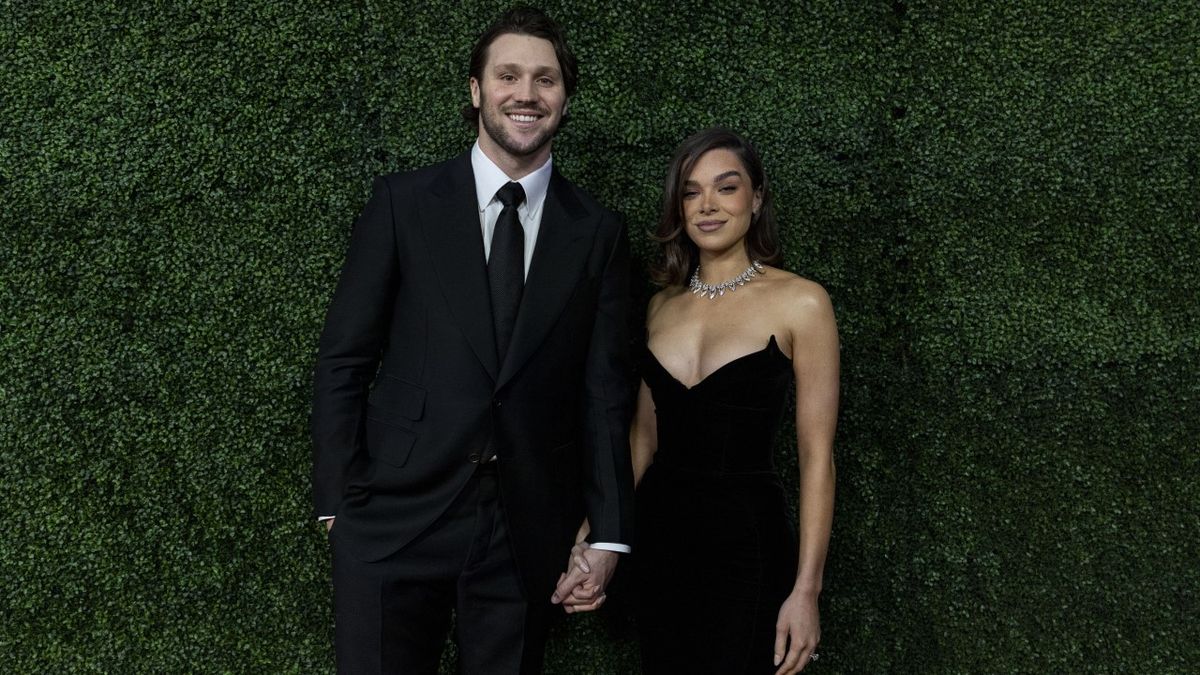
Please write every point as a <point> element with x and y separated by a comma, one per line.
<point>526,90</point>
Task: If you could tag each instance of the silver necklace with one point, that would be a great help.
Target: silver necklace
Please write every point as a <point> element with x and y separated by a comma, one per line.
<point>700,288</point>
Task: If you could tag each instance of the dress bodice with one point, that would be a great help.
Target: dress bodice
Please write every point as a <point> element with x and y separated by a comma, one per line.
<point>726,423</point>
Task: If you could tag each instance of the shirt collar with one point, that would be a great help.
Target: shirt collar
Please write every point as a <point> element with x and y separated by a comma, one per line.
<point>489,178</point>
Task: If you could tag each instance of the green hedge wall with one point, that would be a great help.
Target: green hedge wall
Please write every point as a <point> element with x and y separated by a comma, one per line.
<point>1002,198</point>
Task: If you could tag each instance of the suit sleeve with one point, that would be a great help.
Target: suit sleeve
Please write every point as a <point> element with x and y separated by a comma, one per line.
<point>609,403</point>
<point>349,352</point>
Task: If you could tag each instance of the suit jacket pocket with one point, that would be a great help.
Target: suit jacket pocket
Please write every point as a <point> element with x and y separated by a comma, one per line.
<point>389,443</point>
<point>396,401</point>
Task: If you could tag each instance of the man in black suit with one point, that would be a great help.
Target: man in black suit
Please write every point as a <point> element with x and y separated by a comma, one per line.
<point>472,390</point>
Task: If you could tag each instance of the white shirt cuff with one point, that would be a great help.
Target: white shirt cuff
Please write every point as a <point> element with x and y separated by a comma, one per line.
<point>321,519</point>
<point>619,548</point>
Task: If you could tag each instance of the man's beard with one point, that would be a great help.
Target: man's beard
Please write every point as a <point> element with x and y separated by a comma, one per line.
<point>493,123</point>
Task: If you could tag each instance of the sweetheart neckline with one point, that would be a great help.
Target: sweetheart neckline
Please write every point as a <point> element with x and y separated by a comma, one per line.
<point>770,343</point>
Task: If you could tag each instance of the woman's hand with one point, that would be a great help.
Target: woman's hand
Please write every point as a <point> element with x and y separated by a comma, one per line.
<point>797,632</point>
<point>582,587</point>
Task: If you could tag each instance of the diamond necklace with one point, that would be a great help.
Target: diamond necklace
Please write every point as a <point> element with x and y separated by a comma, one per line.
<point>701,288</point>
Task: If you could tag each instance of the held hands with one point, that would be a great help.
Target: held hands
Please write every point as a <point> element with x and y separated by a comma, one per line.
<point>797,630</point>
<point>329,525</point>
<point>581,587</point>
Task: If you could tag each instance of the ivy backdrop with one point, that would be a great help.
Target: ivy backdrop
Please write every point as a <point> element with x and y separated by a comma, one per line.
<point>1001,198</point>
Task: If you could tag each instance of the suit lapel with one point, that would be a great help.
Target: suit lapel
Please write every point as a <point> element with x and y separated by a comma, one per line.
<point>558,261</point>
<point>450,220</point>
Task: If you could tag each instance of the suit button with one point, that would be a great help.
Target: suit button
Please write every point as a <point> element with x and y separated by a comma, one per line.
<point>474,457</point>
<point>496,402</point>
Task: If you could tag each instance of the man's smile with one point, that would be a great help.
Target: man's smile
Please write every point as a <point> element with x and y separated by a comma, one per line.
<point>524,118</point>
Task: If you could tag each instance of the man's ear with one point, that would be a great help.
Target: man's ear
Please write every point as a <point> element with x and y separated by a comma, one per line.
<point>475,92</point>
<point>566,104</point>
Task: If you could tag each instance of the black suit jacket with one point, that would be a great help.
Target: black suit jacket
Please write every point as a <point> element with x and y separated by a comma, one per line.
<point>409,391</point>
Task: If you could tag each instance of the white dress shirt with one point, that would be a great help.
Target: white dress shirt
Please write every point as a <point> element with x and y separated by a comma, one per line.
<point>489,178</point>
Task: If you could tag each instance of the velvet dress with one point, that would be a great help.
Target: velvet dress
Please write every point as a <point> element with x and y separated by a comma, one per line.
<point>715,548</point>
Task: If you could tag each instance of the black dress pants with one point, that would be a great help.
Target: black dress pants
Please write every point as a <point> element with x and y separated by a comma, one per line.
<point>393,616</point>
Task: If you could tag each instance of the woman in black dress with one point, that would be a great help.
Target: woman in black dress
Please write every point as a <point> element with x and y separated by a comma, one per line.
<point>725,583</point>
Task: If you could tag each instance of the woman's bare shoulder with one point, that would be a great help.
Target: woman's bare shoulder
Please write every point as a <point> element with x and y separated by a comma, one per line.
<point>794,287</point>
<point>800,298</point>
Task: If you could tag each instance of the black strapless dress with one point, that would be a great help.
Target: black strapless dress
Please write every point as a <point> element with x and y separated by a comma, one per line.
<point>716,549</point>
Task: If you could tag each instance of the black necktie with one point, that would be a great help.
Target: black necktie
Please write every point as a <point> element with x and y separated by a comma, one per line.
<point>506,266</point>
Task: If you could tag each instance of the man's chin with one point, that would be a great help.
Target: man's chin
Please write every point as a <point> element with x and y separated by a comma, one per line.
<point>527,149</point>
<point>518,142</point>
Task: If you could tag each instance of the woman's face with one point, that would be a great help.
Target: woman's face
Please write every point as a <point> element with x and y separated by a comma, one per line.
<point>718,201</point>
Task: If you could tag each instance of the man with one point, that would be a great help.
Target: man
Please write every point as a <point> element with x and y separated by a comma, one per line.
<point>472,392</point>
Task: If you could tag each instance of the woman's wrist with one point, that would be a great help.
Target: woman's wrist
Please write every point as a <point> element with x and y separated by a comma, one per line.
<point>806,589</point>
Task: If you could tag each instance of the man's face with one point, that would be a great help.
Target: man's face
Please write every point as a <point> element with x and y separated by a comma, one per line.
<point>521,99</point>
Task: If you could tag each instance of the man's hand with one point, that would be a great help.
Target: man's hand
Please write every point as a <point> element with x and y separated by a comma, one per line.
<point>329,525</point>
<point>581,587</point>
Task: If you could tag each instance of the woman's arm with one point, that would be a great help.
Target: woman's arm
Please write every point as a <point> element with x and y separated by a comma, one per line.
<point>643,434</point>
<point>815,362</point>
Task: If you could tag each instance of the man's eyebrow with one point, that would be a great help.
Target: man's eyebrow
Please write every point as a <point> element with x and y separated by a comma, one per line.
<point>516,66</point>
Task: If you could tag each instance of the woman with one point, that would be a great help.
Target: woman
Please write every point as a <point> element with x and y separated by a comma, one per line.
<point>725,584</point>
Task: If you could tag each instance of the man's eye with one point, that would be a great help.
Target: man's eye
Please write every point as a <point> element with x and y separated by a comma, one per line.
<point>689,193</point>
